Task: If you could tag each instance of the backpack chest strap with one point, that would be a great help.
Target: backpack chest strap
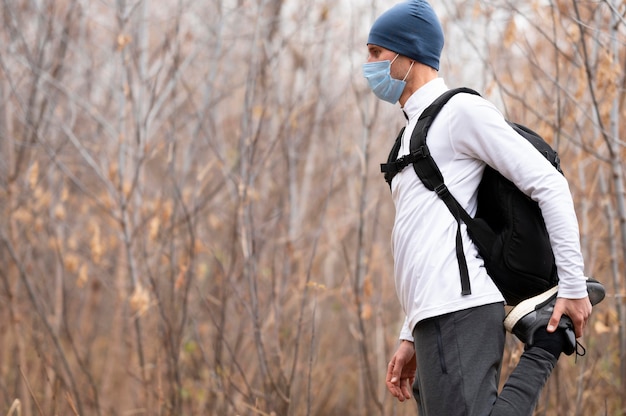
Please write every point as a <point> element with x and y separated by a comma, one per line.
<point>393,167</point>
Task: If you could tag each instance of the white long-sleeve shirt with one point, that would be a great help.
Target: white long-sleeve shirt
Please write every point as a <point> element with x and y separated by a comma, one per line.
<point>468,133</point>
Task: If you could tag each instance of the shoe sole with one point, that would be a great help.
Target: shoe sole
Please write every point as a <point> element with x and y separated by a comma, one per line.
<point>596,295</point>
<point>527,306</point>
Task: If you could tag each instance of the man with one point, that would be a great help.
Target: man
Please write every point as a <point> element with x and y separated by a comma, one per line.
<point>452,344</point>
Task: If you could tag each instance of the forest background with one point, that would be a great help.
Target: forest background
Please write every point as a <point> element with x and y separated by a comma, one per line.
<point>193,221</point>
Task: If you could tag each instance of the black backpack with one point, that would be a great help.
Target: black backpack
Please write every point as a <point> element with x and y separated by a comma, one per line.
<point>508,229</point>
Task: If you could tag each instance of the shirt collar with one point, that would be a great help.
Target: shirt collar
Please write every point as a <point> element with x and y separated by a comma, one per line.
<point>423,97</point>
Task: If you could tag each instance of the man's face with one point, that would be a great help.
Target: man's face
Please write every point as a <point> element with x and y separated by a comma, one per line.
<point>378,53</point>
<point>400,64</point>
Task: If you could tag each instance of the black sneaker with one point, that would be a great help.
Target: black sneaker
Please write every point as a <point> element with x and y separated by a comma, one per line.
<point>531,314</point>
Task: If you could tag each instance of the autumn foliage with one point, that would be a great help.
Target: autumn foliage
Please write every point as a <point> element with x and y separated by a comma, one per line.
<point>192,218</point>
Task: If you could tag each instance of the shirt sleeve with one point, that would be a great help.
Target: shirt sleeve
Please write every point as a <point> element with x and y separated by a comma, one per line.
<point>405,332</point>
<point>483,133</point>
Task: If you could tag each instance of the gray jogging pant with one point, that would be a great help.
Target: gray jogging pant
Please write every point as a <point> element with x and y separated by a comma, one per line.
<point>459,356</point>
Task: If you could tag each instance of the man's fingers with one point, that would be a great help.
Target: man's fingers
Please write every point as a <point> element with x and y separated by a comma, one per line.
<point>393,380</point>
<point>554,319</point>
<point>399,388</point>
<point>407,387</point>
<point>579,330</point>
<point>577,309</point>
<point>394,369</point>
<point>401,372</point>
<point>390,370</point>
<point>554,322</point>
<point>579,327</point>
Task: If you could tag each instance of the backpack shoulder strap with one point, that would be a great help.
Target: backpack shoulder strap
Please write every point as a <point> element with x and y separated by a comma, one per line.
<point>430,175</point>
<point>423,163</point>
<point>418,148</point>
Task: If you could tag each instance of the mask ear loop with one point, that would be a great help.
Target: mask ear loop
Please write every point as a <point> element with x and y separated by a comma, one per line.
<point>407,72</point>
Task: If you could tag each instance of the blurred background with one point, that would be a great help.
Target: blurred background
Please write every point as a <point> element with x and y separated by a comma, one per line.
<point>192,218</point>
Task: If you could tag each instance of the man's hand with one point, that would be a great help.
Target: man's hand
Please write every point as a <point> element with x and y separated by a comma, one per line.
<point>577,309</point>
<point>401,371</point>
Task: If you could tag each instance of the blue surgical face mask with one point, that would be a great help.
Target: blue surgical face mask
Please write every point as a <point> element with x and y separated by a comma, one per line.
<point>378,75</point>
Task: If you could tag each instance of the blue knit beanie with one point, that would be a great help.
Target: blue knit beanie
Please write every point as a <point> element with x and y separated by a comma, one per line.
<point>411,29</point>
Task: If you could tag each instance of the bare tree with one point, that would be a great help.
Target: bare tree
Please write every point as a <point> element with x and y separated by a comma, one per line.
<point>193,221</point>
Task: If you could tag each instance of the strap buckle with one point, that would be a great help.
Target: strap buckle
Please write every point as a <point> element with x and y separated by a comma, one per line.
<point>421,152</point>
<point>442,190</point>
